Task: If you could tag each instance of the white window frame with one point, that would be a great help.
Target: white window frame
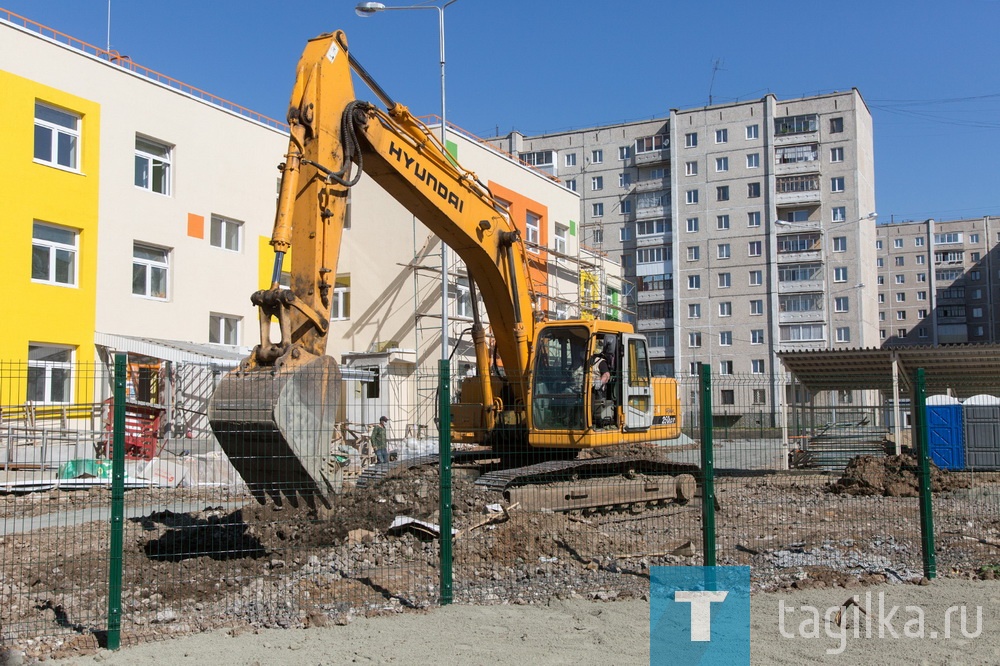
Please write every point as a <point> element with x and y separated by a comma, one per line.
<point>721,164</point>
<point>722,135</point>
<point>724,251</point>
<point>725,338</point>
<point>146,155</point>
<point>692,225</point>
<point>569,159</point>
<point>756,278</point>
<point>224,329</point>
<point>837,184</point>
<point>532,230</point>
<point>726,309</point>
<point>691,140</point>
<point>559,241</point>
<point>596,183</point>
<point>597,156</point>
<point>54,251</point>
<point>753,132</point>
<point>691,168</point>
<point>150,266</point>
<point>840,243</point>
<point>753,218</point>
<point>691,197</point>
<point>841,304</point>
<point>597,210</point>
<point>623,152</point>
<point>843,334</point>
<point>753,160</point>
<point>840,274</point>
<point>839,213</point>
<point>837,154</point>
<point>754,248</point>
<point>58,133</point>
<point>220,233</point>
<point>571,184</point>
<point>47,368</point>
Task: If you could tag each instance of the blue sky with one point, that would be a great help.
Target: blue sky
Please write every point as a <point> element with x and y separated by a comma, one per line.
<point>929,71</point>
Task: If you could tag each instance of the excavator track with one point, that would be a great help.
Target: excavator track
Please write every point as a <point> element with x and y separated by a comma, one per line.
<point>562,470</point>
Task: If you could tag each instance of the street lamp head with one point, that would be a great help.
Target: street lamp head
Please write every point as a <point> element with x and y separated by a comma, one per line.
<point>368,8</point>
<point>872,215</point>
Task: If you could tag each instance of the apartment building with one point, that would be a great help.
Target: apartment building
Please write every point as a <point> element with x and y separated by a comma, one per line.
<point>622,174</point>
<point>742,229</point>
<point>938,282</point>
<point>140,210</point>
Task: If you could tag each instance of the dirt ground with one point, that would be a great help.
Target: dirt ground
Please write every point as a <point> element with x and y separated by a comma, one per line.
<point>239,567</point>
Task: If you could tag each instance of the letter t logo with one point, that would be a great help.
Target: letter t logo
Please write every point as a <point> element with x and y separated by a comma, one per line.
<point>701,611</point>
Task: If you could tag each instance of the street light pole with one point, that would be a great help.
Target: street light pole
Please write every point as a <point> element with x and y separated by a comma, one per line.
<point>367,9</point>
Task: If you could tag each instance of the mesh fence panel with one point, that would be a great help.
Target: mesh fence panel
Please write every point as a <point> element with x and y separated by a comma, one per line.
<point>805,493</point>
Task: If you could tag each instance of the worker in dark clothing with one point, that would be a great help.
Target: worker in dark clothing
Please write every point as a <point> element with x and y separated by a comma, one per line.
<point>379,440</point>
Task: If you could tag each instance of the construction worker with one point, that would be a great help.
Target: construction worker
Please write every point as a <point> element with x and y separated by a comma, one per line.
<point>379,440</point>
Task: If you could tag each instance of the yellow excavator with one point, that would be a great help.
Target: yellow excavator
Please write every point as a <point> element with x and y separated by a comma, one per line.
<point>532,392</point>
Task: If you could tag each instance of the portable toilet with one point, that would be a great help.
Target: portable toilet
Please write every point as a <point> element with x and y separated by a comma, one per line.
<point>981,416</point>
<point>944,432</point>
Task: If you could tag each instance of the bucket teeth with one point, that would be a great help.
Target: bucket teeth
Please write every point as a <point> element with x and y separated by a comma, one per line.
<point>276,427</point>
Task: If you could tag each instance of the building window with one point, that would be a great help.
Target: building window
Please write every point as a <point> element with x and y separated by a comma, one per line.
<point>922,331</point>
<point>754,248</point>
<point>901,315</point>
<point>597,183</point>
<point>690,168</point>
<point>694,340</point>
<point>532,226</point>
<point>691,140</point>
<point>693,368</point>
<point>624,179</point>
<point>571,184</point>
<point>693,253</point>
<point>974,239</point>
<point>921,277</point>
<point>757,336</point>
<point>53,254</point>
<point>722,222</point>
<point>796,124</point>
<point>725,280</point>
<point>152,166</point>
<point>900,261</point>
<point>918,241</point>
<point>753,160</point>
<point>722,193</point>
<point>57,137</point>
<point>721,135</point>
<point>900,279</point>
<point>897,243</point>
<point>648,144</point>
<point>837,184</point>
<point>840,274</point>
<point>901,297</point>
<point>756,278</point>
<point>922,314</point>
<point>650,227</point>
<point>757,307</point>
<point>226,234</point>
<point>50,374</point>
<point>837,154</point>
<point>224,329</point>
<point>598,209</point>
<point>840,243</point>
<point>753,219</point>
<point>727,396</point>
<point>541,159</point>
<point>725,368</point>
<point>623,152</point>
<point>726,338</point>
<point>757,366</point>
<point>836,125</point>
<point>724,251</point>
<point>726,309</point>
<point>691,196</point>
<point>843,334</point>
<point>561,232</point>
<point>753,190</point>
<point>150,267</point>
<point>841,304</point>
<point>340,306</point>
<point>597,156</point>
<point>570,159</point>
<point>694,310</point>
<point>722,164</point>
<point>839,213</point>
<point>694,282</point>
<point>692,224</point>
<point>879,262</point>
<point>753,131</point>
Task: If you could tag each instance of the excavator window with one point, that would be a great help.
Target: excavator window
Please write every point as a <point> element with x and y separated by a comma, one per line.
<point>558,383</point>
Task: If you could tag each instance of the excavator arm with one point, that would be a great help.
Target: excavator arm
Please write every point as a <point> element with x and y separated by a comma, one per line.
<point>273,415</point>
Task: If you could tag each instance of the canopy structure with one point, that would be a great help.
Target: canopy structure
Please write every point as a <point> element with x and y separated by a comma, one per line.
<point>958,370</point>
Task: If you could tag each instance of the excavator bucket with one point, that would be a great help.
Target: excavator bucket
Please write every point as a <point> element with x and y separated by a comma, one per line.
<point>276,426</point>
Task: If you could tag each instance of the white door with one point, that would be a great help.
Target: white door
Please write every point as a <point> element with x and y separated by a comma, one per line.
<point>637,393</point>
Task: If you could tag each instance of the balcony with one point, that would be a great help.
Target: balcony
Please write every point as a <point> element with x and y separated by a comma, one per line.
<point>652,184</point>
<point>651,325</point>
<point>798,286</point>
<point>651,157</point>
<point>797,189</point>
<point>651,296</point>
<point>814,316</point>
<point>651,212</point>
<point>797,257</point>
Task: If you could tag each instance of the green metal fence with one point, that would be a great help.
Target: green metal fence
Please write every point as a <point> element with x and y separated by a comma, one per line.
<point>122,525</point>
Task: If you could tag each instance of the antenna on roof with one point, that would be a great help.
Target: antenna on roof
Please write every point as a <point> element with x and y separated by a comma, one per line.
<point>109,27</point>
<point>716,66</point>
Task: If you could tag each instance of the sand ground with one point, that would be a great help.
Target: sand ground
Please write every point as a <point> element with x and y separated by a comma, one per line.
<point>576,631</point>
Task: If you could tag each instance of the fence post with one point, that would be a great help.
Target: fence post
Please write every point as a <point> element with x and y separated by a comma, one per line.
<point>707,468</point>
<point>923,460</point>
<point>117,507</point>
<point>444,449</point>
